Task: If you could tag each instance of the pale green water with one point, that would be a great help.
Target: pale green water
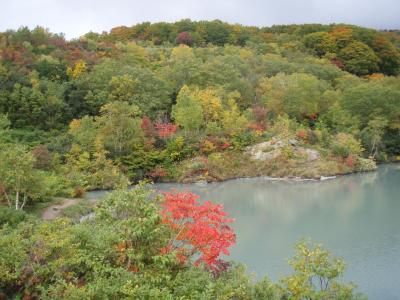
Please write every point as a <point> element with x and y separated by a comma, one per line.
<point>356,217</point>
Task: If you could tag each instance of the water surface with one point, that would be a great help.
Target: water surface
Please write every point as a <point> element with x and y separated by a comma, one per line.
<point>356,217</point>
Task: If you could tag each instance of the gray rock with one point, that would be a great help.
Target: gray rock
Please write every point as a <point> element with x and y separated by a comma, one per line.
<point>273,148</point>
<point>310,154</point>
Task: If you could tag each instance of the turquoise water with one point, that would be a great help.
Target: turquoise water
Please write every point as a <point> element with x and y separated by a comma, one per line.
<point>356,217</point>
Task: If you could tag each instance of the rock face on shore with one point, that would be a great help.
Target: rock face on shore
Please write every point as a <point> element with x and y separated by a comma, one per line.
<point>274,158</point>
<point>274,148</point>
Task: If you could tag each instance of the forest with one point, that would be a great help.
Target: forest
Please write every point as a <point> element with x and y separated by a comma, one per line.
<point>179,102</point>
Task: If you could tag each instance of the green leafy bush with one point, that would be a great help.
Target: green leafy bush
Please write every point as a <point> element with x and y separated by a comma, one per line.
<point>365,164</point>
<point>345,144</point>
<point>11,216</point>
<point>75,212</point>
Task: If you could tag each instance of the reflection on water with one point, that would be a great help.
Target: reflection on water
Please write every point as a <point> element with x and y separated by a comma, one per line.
<point>356,217</point>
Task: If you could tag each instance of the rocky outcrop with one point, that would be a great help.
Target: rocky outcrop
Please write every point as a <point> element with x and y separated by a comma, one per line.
<point>273,148</point>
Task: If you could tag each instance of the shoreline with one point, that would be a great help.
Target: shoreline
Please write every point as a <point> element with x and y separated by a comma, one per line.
<point>265,177</point>
<point>285,178</point>
<point>293,178</point>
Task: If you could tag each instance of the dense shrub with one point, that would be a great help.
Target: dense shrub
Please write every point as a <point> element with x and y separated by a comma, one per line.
<point>344,145</point>
<point>10,216</point>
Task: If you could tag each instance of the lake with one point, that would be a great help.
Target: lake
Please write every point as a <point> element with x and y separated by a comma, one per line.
<point>356,217</point>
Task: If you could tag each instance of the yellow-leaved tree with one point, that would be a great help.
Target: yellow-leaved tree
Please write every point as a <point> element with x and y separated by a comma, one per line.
<point>77,70</point>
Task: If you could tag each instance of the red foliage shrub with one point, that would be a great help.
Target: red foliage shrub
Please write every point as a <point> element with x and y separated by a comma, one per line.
<point>165,130</point>
<point>79,192</point>
<point>260,116</point>
<point>58,43</point>
<point>184,37</point>
<point>225,145</point>
<point>351,160</point>
<point>74,55</point>
<point>338,63</point>
<point>302,134</point>
<point>313,116</point>
<point>148,127</point>
<point>260,113</point>
<point>207,146</point>
<point>156,173</point>
<point>20,56</point>
<point>200,229</point>
<point>218,143</point>
<point>256,126</point>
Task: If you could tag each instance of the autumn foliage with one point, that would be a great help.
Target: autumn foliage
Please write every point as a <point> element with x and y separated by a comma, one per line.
<point>184,38</point>
<point>351,160</point>
<point>302,134</point>
<point>148,127</point>
<point>338,63</point>
<point>200,230</point>
<point>157,173</point>
<point>165,130</point>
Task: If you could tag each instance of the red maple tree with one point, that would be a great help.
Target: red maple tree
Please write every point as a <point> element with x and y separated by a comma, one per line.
<point>184,38</point>
<point>148,127</point>
<point>200,230</point>
<point>165,130</point>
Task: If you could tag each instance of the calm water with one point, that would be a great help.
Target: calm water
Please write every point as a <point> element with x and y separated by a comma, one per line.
<point>356,217</point>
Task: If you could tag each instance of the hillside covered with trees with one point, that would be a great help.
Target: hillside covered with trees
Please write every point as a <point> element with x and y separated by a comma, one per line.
<point>182,101</point>
<point>179,102</point>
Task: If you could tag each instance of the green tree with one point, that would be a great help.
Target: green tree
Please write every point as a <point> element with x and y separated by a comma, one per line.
<point>372,135</point>
<point>358,58</point>
<point>373,99</point>
<point>142,88</point>
<point>298,95</point>
<point>131,54</point>
<point>345,144</point>
<point>40,105</point>
<point>338,119</point>
<point>188,112</point>
<point>4,129</point>
<point>388,54</point>
<point>119,127</point>
<point>215,32</point>
<point>320,42</point>
<point>231,72</point>
<point>20,182</point>
<point>50,68</point>
<point>89,171</point>
<point>316,275</point>
<point>84,133</point>
<point>183,67</point>
<point>233,122</point>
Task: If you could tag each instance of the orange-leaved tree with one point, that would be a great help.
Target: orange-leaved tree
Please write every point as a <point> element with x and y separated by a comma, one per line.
<point>200,230</point>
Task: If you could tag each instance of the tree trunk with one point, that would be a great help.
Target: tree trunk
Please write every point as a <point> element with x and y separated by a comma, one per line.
<point>7,198</point>
<point>24,202</point>
<point>373,150</point>
<point>17,200</point>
